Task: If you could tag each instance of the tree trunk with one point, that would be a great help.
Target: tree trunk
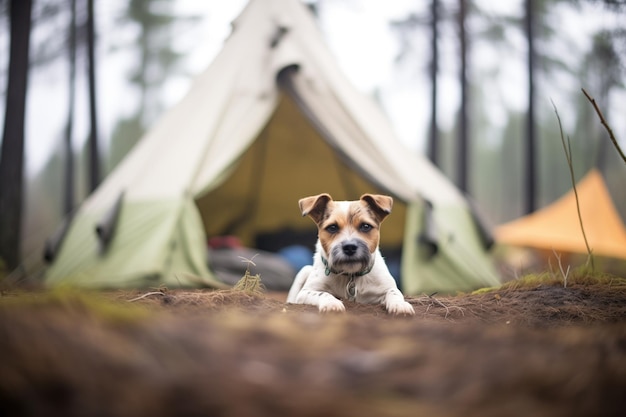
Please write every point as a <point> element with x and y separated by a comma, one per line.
<point>462,146</point>
<point>12,158</point>
<point>433,149</point>
<point>530,170</point>
<point>68,200</point>
<point>94,153</point>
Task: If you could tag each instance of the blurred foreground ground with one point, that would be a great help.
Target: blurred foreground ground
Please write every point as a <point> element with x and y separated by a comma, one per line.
<point>542,350</point>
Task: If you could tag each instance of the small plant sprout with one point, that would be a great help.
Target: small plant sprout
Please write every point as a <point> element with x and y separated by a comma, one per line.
<point>565,273</point>
<point>250,284</point>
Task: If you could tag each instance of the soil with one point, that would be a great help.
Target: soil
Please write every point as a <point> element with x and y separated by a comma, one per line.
<point>539,351</point>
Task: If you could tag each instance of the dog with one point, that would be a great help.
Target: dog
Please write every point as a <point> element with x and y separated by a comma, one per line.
<point>347,263</point>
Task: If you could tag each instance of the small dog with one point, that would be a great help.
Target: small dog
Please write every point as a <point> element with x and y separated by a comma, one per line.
<point>347,263</point>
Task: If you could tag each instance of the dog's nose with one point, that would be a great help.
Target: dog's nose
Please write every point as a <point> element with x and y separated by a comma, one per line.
<point>349,249</point>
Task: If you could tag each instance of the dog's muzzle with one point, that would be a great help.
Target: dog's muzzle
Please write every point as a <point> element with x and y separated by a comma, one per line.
<point>349,249</point>
<point>349,257</point>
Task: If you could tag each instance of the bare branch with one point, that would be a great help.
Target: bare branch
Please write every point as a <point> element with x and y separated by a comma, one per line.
<point>567,148</point>
<point>605,124</point>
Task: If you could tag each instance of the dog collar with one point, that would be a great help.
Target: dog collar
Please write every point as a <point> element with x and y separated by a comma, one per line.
<point>328,270</point>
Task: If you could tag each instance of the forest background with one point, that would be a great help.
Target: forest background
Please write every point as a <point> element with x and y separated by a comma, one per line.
<point>470,83</point>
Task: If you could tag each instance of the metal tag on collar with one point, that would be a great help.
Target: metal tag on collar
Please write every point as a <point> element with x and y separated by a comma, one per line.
<point>351,289</point>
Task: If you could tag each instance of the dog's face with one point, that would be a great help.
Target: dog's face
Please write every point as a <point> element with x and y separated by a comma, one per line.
<point>348,231</point>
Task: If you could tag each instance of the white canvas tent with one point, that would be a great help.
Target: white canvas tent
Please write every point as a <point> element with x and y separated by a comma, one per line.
<point>271,120</point>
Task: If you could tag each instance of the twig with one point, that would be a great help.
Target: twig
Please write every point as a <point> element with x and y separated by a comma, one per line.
<point>146,295</point>
<point>605,124</point>
<point>434,300</point>
<point>568,155</point>
<point>248,262</point>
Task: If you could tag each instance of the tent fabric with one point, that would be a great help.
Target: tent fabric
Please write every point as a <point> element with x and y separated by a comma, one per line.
<point>300,166</point>
<point>271,120</point>
<point>557,226</point>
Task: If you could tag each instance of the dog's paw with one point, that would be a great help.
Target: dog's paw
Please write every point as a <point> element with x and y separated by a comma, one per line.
<point>400,308</point>
<point>331,305</point>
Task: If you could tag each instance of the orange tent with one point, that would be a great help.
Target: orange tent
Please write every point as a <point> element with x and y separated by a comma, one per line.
<point>557,227</point>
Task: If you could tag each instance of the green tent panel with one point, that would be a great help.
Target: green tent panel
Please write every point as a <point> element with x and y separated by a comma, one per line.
<point>437,256</point>
<point>156,243</point>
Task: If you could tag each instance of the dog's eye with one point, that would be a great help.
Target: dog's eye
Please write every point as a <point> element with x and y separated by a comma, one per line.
<point>365,227</point>
<point>333,228</point>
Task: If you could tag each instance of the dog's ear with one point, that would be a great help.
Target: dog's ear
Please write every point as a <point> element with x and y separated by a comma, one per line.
<point>380,204</point>
<point>314,206</point>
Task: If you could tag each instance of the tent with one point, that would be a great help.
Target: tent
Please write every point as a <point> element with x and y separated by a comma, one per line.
<point>557,226</point>
<point>271,120</point>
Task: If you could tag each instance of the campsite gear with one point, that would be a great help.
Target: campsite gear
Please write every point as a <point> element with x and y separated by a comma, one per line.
<point>271,119</point>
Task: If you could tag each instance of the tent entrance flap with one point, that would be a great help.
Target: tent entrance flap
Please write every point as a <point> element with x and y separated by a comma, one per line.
<point>297,162</point>
<point>285,80</point>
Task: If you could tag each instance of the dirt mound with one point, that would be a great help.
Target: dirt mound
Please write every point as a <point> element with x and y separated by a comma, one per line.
<point>538,306</point>
<point>545,350</point>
